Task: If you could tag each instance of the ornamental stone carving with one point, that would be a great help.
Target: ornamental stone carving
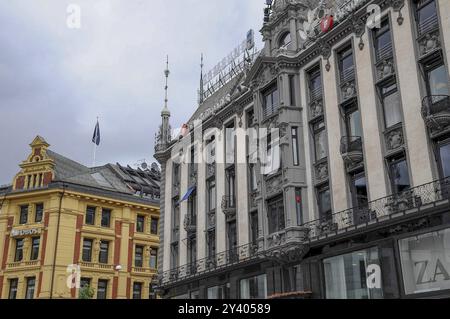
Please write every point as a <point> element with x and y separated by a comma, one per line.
<point>316,108</point>
<point>429,43</point>
<point>394,139</point>
<point>348,90</point>
<point>385,69</point>
<point>321,171</point>
<point>274,185</point>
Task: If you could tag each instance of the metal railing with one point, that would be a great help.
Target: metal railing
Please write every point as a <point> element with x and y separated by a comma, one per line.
<point>348,75</point>
<point>377,211</point>
<point>190,222</point>
<point>435,104</point>
<point>351,144</point>
<point>228,202</point>
<point>221,260</point>
<point>381,209</point>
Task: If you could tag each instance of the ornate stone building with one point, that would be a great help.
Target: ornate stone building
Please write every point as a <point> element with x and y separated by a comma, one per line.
<point>357,203</point>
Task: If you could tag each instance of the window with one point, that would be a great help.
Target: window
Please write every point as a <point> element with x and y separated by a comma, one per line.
<point>19,250</point>
<point>219,292</point>
<point>254,227</point>
<point>154,258</point>
<point>346,65</point>
<point>175,220</point>
<point>353,123</point>
<point>360,195</point>
<point>212,195</point>
<point>23,214</point>
<point>390,100</point>
<point>298,206</point>
<point>230,134</point>
<point>90,215</point>
<point>250,117</point>
<point>192,250</point>
<point>35,248</point>
<point>437,80</point>
<point>154,225</point>
<point>399,176</point>
<point>285,40</point>
<point>425,263</point>
<point>192,207</point>
<point>346,275</point>
<point>13,283</point>
<point>176,173</point>
<point>137,290</point>
<point>294,133</point>
<point>232,241</point>
<point>320,141</point>
<point>292,89</point>
<point>275,210</point>
<point>102,289</point>
<point>253,180</point>
<point>231,187</point>
<point>254,288</point>
<point>174,256</point>
<point>85,282</point>
<point>383,41</point>
<point>324,203</point>
<point>106,217</point>
<point>87,250</point>
<point>104,252</point>
<point>426,16</point>
<point>444,158</point>
<point>31,283</point>
<point>140,224</point>
<point>39,211</point>
<point>270,101</point>
<point>138,256</point>
<point>211,242</point>
<point>315,84</point>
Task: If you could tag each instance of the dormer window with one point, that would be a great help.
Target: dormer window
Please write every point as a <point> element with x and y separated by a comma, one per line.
<point>285,40</point>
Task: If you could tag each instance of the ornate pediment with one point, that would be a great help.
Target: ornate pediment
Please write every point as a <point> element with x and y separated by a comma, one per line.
<point>38,169</point>
<point>262,73</point>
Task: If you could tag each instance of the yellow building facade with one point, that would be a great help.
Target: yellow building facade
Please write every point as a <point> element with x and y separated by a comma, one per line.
<point>64,226</point>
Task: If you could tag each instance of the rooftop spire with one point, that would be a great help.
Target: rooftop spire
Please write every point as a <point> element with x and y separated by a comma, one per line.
<point>201,93</point>
<point>165,110</point>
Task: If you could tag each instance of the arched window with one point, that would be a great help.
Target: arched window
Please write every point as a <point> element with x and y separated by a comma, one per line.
<point>285,40</point>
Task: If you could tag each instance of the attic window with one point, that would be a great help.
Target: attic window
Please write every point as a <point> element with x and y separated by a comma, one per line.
<point>285,40</point>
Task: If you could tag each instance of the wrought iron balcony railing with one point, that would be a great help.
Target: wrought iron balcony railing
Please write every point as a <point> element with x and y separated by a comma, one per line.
<point>228,202</point>
<point>190,222</point>
<point>351,144</point>
<point>436,112</point>
<point>380,210</point>
<point>219,261</point>
<point>435,104</point>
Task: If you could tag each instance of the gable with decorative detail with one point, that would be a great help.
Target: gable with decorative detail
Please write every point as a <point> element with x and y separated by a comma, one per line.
<point>37,170</point>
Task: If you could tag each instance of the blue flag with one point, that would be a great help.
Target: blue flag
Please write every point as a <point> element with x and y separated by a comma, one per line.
<point>96,137</point>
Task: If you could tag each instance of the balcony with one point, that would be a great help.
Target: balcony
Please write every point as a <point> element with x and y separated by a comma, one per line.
<point>229,207</point>
<point>143,270</point>
<point>409,202</point>
<point>352,150</point>
<point>217,262</point>
<point>23,264</point>
<point>97,266</point>
<point>436,113</point>
<point>190,223</point>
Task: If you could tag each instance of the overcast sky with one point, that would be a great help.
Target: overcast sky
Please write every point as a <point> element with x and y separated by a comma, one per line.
<point>55,81</point>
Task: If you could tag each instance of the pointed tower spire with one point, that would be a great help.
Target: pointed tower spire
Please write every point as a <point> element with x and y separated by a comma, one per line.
<point>201,93</point>
<point>164,133</point>
<point>165,110</point>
